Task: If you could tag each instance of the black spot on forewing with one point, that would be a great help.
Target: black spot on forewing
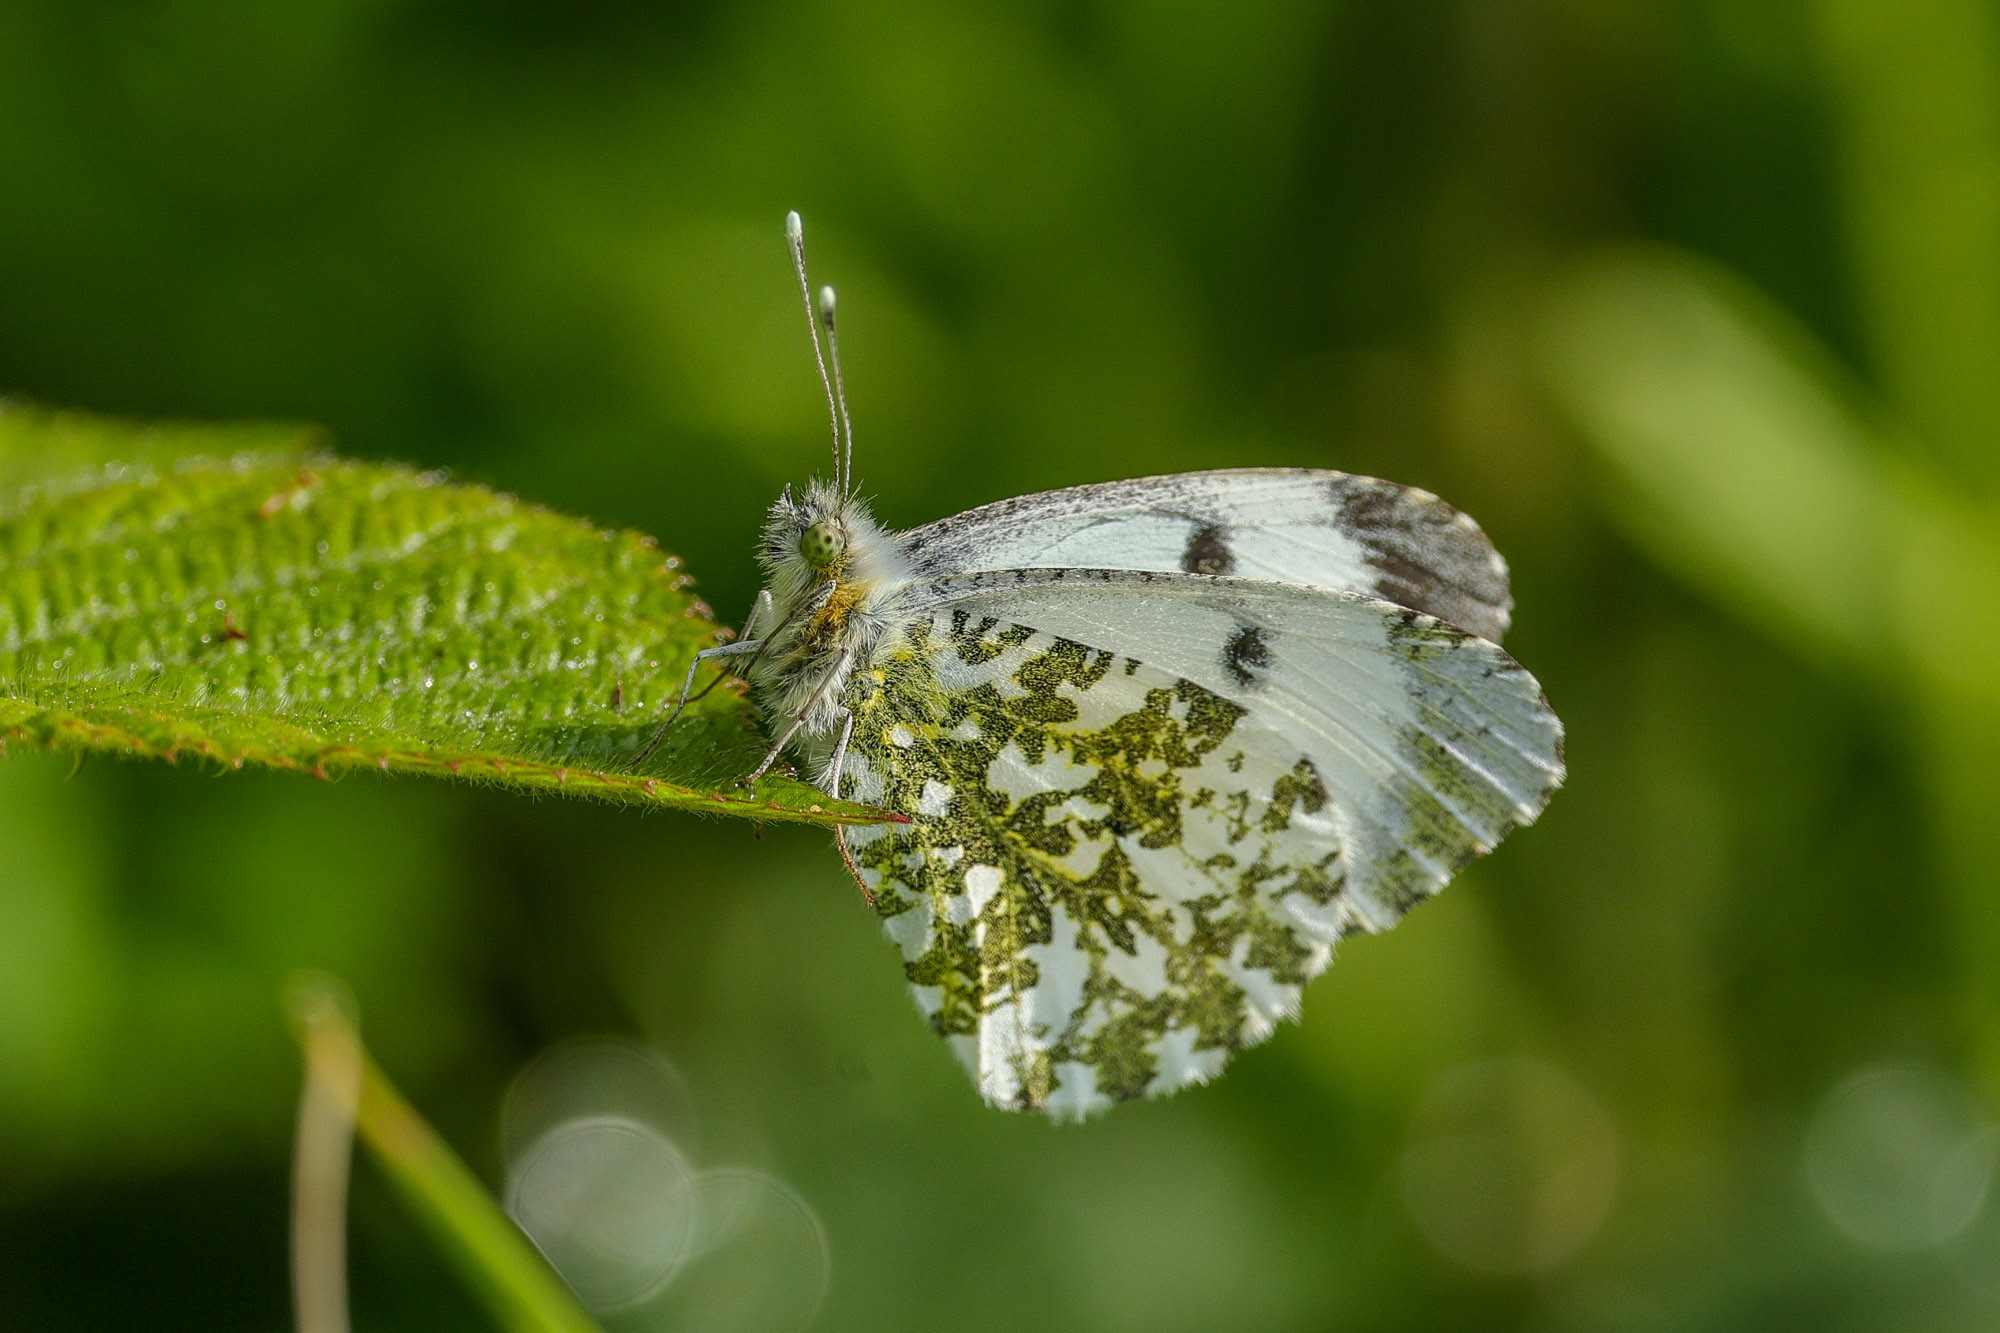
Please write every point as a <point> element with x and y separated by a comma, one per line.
<point>1246,654</point>
<point>1208,552</point>
<point>1425,554</point>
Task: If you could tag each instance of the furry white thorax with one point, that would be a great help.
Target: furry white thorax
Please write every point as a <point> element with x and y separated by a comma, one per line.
<point>820,625</point>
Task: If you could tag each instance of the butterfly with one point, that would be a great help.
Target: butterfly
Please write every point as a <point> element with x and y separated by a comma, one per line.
<point>1160,744</point>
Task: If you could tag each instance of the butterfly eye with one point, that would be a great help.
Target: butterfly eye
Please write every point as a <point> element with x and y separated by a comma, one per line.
<point>821,545</point>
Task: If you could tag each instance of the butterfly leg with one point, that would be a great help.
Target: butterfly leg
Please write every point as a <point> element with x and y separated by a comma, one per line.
<point>760,611</point>
<point>687,686</point>
<point>833,775</point>
<point>805,711</point>
<point>847,857</point>
<point>840,753</point>
<point>772,756</point>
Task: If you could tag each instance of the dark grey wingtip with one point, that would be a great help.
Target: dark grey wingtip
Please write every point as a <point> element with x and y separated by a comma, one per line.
<point>1427,555</point>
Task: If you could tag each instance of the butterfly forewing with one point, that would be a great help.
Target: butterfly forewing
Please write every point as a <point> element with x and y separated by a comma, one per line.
<point>1127,856</point>
<point>1329,529</point>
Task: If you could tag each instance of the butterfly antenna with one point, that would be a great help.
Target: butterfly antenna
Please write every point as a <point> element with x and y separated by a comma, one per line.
<point>839,388</point>
<point>795,236</point>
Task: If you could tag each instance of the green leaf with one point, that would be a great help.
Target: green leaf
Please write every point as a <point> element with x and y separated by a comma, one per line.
<point>238,594</point>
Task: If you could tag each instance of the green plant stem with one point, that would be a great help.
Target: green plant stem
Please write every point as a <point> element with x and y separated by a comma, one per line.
<point>322,1155</point>
<point>491,1253</point>
<point>495,1258</point>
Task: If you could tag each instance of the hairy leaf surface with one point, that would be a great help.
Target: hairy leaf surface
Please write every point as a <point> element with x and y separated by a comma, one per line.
<point>239,594</point>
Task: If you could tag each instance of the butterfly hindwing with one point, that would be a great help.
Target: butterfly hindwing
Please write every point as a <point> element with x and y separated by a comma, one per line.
<point>1329,529</point>
<point>1125,863</point>
<point>1095,899</point>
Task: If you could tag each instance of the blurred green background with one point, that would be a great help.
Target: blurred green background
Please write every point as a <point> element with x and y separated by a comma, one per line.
<point>1695,304</point>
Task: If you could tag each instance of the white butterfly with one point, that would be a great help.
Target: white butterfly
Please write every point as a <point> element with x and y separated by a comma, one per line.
<point>1161,744</point>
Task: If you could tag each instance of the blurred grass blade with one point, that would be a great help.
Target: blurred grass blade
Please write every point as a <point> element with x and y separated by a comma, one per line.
<point>1915,89</point>
<point>493,1255</point>
<point>235,594</point>
<point>1741,462</point>
<point>323,1153</point>
<point>1732,460</point>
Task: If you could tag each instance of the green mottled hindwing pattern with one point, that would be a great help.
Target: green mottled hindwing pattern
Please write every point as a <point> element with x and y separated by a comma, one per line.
<point>1107,889</point>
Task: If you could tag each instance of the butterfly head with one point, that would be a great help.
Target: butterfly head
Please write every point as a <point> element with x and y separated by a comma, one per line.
<point>822,549</point>
<point>822,544</point>
<point>810,535</point>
